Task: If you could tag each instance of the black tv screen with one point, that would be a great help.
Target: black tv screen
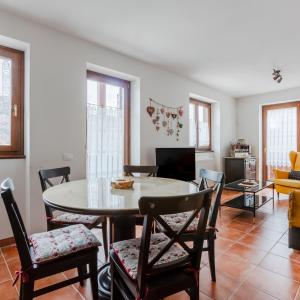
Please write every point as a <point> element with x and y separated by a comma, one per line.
<point>176,163</point>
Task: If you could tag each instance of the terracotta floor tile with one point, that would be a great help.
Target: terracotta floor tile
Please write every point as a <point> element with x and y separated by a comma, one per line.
<point>9,252</point>
<point>282,266</point>
<point>67,293</point>
<point>247,292</point>
<point>277,226</point>
<point>4,273</point>
<point>230,266</point>
<point>184,296</point>
<point>250,254</point>
<point>272,283</point>
<point>1,257</point>
<point>266,233</point>
<point>86,290</point>
<point>7,291</point>
<point>221,244</point>
<point>242,226</point>
<point>284,239</point>
<point>247,217</point>
<point>298,295</point>
<point>14,265</point>
<point>284,251</point>
<point>230,233</point>
<point>49,280</point>
<point>221,289</point>
<point>204,258</point>
<point>258,242</point>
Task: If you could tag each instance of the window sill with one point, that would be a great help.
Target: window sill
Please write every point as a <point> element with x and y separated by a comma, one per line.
<point>12,156</point>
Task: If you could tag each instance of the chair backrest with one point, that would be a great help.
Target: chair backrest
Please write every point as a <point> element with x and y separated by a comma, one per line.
<point>16,223</point>
<point>218,179</point>
<point>152,208</point>
<point>295,160</point>
<point>129,170</point>
<point>46,175</point>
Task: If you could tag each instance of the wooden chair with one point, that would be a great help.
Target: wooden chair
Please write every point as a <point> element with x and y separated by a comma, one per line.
<point>66,219</point>
<point>148,171</point>
<point>175,221</point>
<point>43,254</point>
<point>157,265</point>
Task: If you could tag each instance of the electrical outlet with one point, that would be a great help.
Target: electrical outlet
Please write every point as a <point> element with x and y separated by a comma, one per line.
<point>68,156</point>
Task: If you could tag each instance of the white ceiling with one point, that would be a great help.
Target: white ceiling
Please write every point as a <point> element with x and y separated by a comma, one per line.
<point>231,45</point>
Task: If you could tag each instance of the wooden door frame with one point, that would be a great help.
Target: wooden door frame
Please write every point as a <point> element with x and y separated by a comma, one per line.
<point>265,109</point>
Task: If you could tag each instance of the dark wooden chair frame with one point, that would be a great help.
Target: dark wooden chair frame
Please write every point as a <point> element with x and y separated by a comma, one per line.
<point>210,235</point>
<point>64,173</point>
<point>130,170</point>
<point>158,281</point>
<point>151,171</point>
<point>206,178</point>
<point>31,272</point>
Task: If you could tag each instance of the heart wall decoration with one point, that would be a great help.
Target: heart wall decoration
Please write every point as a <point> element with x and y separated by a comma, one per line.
<point>167,118</point>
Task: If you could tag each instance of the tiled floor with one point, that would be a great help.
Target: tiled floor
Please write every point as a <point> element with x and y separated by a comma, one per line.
<point>253,261</point>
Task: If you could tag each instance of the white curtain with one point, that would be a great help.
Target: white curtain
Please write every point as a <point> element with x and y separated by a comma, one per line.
<point>5,101</point>
<point>281,136</point>
<point>105,141</point>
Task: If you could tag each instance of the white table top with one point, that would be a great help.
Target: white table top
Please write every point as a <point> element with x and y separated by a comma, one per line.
<point>96,197</point>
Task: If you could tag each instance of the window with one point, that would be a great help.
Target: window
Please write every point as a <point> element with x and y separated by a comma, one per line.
<point>11,103</point>
<point>200,125</point>
<point>107,125</point>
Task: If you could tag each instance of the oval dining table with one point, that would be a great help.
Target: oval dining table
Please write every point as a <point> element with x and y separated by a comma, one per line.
<point>96,197</point>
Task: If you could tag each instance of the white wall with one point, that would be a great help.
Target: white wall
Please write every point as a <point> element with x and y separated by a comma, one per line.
<point>57,106</point>
<point>249,116</point>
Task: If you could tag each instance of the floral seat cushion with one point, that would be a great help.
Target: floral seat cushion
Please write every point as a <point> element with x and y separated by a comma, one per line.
<point>176,221</point>
<point>69,218</point>
<point>128,252</point>
<point>53,244</point>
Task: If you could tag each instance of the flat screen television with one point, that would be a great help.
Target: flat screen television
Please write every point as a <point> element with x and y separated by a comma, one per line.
<point>176,163</point>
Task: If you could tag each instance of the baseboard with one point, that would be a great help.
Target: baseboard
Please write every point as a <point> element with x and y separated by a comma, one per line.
<point>7,241</point>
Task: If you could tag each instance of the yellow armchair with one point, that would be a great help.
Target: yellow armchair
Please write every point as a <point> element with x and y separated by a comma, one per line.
<point>282,182</point>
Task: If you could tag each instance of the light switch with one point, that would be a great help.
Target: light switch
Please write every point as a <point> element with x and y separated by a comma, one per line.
<point>68,156</point>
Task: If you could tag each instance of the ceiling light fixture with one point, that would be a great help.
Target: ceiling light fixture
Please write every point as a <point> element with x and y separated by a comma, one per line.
<point>276,75</point>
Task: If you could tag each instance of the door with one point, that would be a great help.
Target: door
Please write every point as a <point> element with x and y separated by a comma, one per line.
<point>280,136</point>
<point>108,115</point>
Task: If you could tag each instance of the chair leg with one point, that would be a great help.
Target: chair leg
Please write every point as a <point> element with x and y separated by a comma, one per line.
<point>105,239</point>
<point>211,256</point>
<point>194,293</point>
<point>82,270</point>
<point>26,290</point>
<point>115,293</point>
<point>278,195</point>
<point>94,276</point>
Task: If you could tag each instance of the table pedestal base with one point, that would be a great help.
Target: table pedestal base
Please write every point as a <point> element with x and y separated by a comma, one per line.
<point>123,228</point>
<point>104,282</point>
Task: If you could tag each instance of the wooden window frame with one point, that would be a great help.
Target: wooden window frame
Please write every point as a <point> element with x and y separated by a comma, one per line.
<point>126,85</point>
<point>265,109</point>
<point>16,149</point>
<point>207,105</point>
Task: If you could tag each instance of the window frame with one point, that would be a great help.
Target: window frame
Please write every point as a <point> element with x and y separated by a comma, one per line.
<point>197,103</point>
<point>16,149</point>
<point>102,78</point>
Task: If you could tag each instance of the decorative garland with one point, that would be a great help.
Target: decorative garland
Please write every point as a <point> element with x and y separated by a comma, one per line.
<point>166,117</point>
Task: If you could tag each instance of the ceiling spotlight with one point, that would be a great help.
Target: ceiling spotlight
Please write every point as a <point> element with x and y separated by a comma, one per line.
<point>276,75</point>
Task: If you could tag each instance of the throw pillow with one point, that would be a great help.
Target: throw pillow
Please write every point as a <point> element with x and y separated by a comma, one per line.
<point>294,175</point>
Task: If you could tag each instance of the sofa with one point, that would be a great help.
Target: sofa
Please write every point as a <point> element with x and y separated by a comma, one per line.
<point>294,220</point>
